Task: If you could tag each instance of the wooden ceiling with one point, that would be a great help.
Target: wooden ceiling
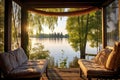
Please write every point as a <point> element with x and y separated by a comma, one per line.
<point>62,3</point>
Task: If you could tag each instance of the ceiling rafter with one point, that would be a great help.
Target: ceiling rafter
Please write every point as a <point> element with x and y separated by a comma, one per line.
<point>63,3</point>
<point>60,3</point>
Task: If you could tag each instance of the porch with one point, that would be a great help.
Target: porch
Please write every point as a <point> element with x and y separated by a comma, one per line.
<point>31,5</point>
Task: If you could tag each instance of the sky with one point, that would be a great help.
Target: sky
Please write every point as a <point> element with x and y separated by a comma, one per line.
<point>58,28</point>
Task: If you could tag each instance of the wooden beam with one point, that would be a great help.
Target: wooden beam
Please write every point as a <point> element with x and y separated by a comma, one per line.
<point>56,5</point>
<point>119,18</point>
<point>107,2</point>
<point>8,25</point>
<point>18,2</point>
<point>61,3</point>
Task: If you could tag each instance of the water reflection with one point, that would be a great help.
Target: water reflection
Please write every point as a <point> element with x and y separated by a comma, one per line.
<point>60,49</point>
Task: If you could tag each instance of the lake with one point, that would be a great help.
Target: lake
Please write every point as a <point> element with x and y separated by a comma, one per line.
<point>60,48</point>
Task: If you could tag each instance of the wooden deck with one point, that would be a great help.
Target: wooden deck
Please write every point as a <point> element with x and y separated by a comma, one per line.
<point>66,74</point>
<point>62,74</point>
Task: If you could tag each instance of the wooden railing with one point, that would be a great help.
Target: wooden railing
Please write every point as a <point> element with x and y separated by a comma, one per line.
<point>88,55</point>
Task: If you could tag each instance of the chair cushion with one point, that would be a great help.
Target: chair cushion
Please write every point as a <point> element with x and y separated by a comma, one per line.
<point>113,62</point>
<point>26,70</point>
<point>35,62</point>
<point>90,68</point>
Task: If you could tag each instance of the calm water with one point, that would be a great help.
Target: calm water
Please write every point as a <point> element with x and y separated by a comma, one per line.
<point>60,48</point>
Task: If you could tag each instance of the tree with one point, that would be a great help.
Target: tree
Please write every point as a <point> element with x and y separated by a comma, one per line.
<point>37,21</point>
<point>1,25</point>
<point>16,25</point>
<point>82,29</point>
<point>39,52</point>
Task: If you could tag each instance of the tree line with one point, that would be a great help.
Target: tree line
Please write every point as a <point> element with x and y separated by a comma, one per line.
<point>53,35</point>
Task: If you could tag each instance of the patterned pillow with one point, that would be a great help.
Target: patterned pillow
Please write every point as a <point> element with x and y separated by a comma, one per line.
<point>102,56</point>
<point>5,66</point>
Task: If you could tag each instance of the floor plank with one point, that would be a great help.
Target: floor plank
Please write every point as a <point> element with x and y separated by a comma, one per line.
<point>63,74</point>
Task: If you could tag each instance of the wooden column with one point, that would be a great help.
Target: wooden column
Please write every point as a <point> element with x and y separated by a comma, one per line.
<point>7,25</point>
<point>119,18</point>
<point>104,30</point>
<point>24,32</point>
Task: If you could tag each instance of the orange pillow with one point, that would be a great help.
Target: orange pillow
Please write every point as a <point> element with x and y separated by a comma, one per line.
<point>113,59</point>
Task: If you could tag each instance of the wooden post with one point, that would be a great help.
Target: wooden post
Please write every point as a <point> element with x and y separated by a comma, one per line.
<point>24,32</point>
<point>7,25</point>
<point>119,18</point>
<point>104,32</point>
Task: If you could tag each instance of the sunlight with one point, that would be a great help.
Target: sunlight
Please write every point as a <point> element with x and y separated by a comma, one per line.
<point>31,30</point>
<point>34,31</point>
<point>46,30</point>
<point>58,28</point>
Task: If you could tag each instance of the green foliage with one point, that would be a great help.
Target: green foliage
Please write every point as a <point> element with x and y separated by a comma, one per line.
<point>63,61</point>
<point>84,28</point>
<point>74,63</point>
<point>16,24</point>
<point>95,32</point>
<point>53,35</point>
<point>51,62</point>
<point>39,52</point>
<point>1,25</point>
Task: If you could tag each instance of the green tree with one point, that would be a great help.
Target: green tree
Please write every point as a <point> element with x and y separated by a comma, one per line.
<point>95,29</point>
<point>37,22</point>
<point>1,25</point>
<point>16,25</point>
<point>39,52</point>
<point>74,64</point>
<point>82,29</point>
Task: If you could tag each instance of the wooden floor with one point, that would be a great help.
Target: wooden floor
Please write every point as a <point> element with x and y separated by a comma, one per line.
<point>66,74</point>
<point>62,74</point>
